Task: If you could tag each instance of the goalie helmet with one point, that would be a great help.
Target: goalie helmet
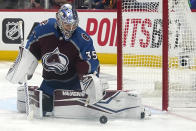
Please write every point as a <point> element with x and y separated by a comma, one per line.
<point>67,20</point>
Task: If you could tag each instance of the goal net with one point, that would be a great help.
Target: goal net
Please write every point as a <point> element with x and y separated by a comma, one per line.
<point>156,51</point>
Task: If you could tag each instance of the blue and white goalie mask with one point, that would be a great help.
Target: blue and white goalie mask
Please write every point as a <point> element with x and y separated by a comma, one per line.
<point>67,20</point>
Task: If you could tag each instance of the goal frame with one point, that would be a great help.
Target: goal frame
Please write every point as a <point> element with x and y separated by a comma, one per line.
<point>165,65</point>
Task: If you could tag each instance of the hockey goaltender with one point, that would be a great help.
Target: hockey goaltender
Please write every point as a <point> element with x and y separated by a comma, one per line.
<point>71,87</point>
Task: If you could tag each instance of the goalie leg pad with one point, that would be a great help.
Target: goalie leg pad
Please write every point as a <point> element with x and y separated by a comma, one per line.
<point>21,104</point>
<point>114,104</point>
<point>35,101</point>
<point>70,104</point>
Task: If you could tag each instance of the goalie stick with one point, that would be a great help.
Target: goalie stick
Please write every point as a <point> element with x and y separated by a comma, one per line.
<point>29,112</point>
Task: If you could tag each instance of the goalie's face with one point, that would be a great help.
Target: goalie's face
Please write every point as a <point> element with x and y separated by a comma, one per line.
<point>69,27</point>
<point>67,20</point>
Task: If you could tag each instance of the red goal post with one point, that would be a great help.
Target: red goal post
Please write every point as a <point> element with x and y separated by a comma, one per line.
<point>177,57</point>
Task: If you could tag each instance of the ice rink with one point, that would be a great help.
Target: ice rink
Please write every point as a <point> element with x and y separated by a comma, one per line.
<point>10,120</point>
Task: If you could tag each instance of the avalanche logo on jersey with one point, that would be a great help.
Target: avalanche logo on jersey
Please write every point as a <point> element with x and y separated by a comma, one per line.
<point>55,61</point>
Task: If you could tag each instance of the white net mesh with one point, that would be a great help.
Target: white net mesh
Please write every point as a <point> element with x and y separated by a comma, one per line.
<point>142,50</point>
<point>182,90</point>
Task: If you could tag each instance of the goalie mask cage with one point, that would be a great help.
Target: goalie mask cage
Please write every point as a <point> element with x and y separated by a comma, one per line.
<point>156,51</point>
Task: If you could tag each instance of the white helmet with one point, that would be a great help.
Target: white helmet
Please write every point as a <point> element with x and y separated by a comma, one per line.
<point>67,20</point>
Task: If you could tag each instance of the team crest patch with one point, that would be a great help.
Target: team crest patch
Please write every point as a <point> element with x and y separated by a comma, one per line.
<point>85,37</point>
<point>55,61</point>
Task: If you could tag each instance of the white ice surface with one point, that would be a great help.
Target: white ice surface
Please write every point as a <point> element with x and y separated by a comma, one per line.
<point>11,120</point>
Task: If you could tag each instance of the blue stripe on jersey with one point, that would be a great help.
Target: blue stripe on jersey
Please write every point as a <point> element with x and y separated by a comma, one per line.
<point>84,44</point>
<point>45,28</point>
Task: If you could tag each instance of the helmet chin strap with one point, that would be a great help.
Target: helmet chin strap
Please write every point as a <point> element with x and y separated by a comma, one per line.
<point>66,37</point>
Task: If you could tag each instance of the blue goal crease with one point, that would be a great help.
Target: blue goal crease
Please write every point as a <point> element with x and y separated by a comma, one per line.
<point>8,104</point>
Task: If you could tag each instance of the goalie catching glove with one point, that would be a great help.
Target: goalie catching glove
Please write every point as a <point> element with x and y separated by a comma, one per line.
<point>23,67</point>
<point>94,87</point>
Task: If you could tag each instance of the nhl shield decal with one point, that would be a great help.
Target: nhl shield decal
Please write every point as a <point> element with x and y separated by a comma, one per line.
<point>11,31</point>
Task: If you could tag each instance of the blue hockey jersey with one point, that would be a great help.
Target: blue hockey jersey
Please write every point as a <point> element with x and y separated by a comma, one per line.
<point>193,4</point>
<point>64,61</point>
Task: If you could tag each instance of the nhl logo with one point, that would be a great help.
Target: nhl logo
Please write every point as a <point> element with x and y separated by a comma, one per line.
<point>12,31</point>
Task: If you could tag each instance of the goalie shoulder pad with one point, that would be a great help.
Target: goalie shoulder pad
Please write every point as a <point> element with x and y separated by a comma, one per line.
<point>24,66</point>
